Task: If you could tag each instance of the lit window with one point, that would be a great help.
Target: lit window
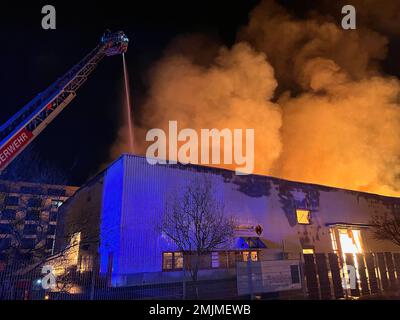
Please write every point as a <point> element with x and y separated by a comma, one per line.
<point>303,216</point>
<point>172,261</point>
<point>253,255</point>
<point>167,260</point>
<point>215,260</point>
<point>308,251</point>
<point>178,260</point>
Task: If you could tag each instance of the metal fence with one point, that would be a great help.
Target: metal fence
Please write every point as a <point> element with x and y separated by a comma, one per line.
<point>329,276</point>
<point>31,280</point>
<point>312,276</point>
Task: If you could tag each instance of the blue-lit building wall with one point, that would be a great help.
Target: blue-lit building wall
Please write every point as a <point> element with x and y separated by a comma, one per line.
<point>133,195</point>
<point>110,222</point>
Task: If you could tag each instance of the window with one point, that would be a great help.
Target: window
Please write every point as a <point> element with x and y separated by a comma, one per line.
<point>5,228</point>
<point>56,192</point>
<point>11,201</point>
<point>5,243</point>
<point>8,214</point>
<point>214,259</point>
<point>34,202</point>
<point>253,255</point>
<point>28,243</point>
<point>172,261</point>
<point>178,260</point>
<point>30,229</point>
<point>53,216</point>
<point>303,216</point>
<point>31,190</point>
<point>51,229</point>
<point>308,251</point>
<point>168,259</point>
<point>32,215</point>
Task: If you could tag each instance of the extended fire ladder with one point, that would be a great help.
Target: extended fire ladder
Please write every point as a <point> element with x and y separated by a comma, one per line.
<point>19,131</point>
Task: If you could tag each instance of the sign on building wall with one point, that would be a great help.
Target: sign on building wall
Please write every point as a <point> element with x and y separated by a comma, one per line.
<point>268,276</point>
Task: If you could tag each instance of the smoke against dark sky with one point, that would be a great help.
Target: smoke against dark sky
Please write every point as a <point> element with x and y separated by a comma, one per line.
<point>322,108</point>
<point>324,101</point>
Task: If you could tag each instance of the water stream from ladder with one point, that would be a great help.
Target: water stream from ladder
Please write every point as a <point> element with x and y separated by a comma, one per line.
<point>128,107</point>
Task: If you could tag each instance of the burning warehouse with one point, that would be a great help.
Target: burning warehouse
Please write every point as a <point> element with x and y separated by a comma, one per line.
<point>118,212</point>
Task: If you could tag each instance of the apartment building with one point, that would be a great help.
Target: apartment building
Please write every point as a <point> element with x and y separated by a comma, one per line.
<point>28,218</point>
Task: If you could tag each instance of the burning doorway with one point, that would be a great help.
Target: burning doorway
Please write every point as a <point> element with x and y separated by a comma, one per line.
<point>350,241</point>
<point>346,239</point>
<point>348,245</point>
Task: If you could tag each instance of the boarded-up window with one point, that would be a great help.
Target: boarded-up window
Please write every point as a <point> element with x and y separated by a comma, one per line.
<point>303,216</point>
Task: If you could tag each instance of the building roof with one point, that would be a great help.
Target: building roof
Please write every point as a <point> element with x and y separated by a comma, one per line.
<point>35,188</point>
<point>230,174</point>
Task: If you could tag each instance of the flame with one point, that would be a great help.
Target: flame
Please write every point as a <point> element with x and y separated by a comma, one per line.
<point>322,109</point>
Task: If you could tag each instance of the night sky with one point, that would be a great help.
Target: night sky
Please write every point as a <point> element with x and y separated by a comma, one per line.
<point>77,143</point>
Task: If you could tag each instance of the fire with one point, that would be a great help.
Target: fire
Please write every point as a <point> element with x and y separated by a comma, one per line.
<point>321,109</point>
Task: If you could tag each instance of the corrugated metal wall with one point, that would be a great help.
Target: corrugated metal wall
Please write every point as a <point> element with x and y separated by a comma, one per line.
<point>135,193</point>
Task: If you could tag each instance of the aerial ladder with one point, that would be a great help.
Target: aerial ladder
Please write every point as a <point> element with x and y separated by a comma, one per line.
<point>21,129</point>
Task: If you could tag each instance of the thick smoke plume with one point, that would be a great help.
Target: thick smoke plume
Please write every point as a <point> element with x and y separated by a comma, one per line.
<point>322,110</point>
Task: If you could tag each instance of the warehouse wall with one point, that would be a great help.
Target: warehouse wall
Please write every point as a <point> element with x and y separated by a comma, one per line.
<point>131,198</point>
<point>254,200</point>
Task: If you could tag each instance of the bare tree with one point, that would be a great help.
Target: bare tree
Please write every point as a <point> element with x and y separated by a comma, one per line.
<point>387,227</point>
<point>195,221</point>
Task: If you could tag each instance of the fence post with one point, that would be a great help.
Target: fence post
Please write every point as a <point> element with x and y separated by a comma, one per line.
<point>250,276</point>
<point>184,280</point>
